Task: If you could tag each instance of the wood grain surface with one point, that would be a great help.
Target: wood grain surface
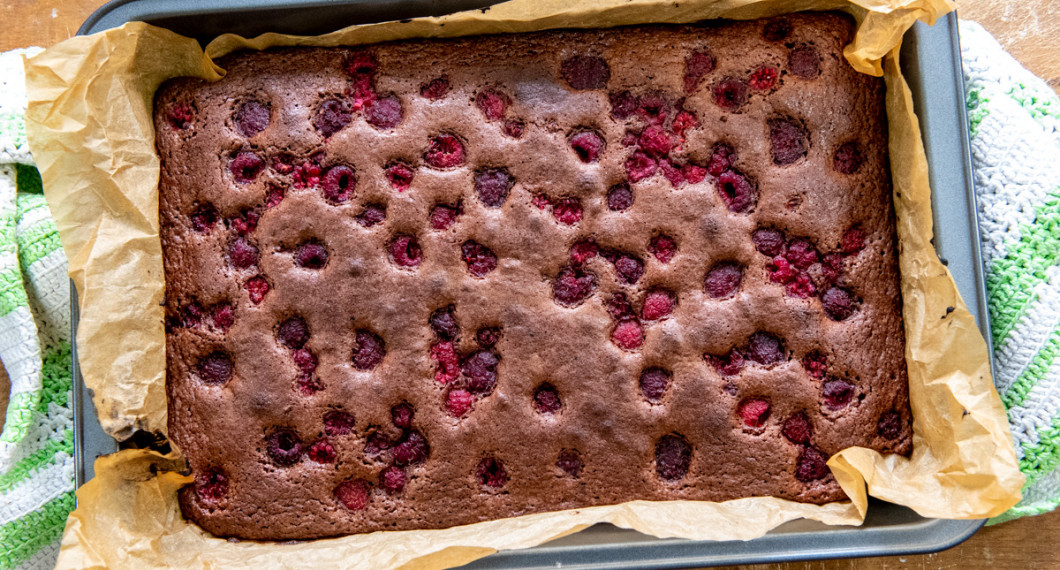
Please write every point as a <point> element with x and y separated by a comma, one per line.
<point>1027,28</point>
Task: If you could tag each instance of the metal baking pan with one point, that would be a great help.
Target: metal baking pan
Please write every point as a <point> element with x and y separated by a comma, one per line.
<point>931,62</point>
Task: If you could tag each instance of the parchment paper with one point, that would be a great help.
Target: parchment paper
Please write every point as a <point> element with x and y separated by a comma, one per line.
<point>89,126</point>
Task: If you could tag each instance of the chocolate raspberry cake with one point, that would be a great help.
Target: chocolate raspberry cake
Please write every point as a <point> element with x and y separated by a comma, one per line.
<point>418,284</point>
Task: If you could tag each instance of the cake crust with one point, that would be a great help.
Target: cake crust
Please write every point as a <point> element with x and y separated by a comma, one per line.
<point>417,285</point>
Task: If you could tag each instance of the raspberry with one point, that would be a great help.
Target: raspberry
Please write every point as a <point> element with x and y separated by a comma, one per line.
<point>392,479</point>
<point>769,242</point>
<point>402,415</point>
<point>307,175</point>
<point>322,452</point>
<point>354,495</point>
<point>413,449</point>
<point>373,214</point>
<point>332,116</point>
<point>273,197</point>
<point>284,447</point>
<point>722,158</point>
<point>640,166</point>
<point>837,393</point>
<point>815,364</point>
<point>242,254</point>
<point>697,66</point>
<point>663,247</point>
<point>480,259</point>
<point>765,348</point>
<point>181,116</point>
<point>811,465</point>
<point>246,166</point>
<point>776,29</point>
<point>399,175</point>
<point>730,93</point>
<point>585,72</point>
<point>443,216</point>
<point>257,287</point>
<point>514,128</point>
<point>628,335</point>
<point>838,303</point>
<point>788,141</point>
<point>491,473</point>
<point>619,198</point>
<point>492,186</point>
<point>541,201</point>
<point>754,411</point>
<point>804,62</point>
<point>853,241</point>
<point>211,486</point>
<point>673,455</point>
<point>405,251</point>
<point>360,63</point>
<point>694,173</point>
<point>629,268</point>
<point>204,218</point>
<point>890,425</point>
<point>311,255</point>
<point>215,368</point>
<point>653,108</point>
<point>293,333</point>
<point>445,151</point>
<point>305,360</point>
<point>546,399</point>
<point>481,371</point>
<point>283,163</point>
<point>192,316</point>
<point>848,158</point>
<point>658,303</point>
<point>655,142</point>
<point>436,88</point>
<point>339,183</point>
<point>588,145</point>
<point>802,287</point>
<point>780,271</point>
<point>252,118</point>
<point>492,104</point>
<point>737,191</point>
<point>487,337</point>
<point>308,385</point>
<point>623,105</point>
<point>797,428</point>
<point>572,286</point>
<point>448,362</point>
<point>567,211</point>
<point>683,121</point>
<point>376,444</point>
<point>458,402</point>
<point>245,223</point>
<point>384,113</point>
<point>723,280</point>
<point>653,384</point>
<point>727,365</point>
<point>368,350</point>
<point>671,173</point>
<point>570,462</point>
<point>337,422</point>
<point>444,324</point>
<point>583,251</point>
<point>764,78</point>
<point>223,316</point>
<point>619,308</point>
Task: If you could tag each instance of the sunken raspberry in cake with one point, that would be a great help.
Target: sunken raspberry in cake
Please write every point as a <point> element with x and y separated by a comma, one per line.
<point>415,285</point>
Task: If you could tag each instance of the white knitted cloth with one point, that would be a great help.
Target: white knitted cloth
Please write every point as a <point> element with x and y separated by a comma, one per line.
<point>1014,119</point>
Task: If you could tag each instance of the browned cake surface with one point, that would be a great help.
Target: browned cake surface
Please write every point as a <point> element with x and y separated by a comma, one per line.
<point>431,283</point>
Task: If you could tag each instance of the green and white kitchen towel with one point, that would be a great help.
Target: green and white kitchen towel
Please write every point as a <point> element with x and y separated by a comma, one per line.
<point>1014,120</point>
<point>36,445</point>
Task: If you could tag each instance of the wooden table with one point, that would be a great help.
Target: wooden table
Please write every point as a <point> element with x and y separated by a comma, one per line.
<point>1026,28</point>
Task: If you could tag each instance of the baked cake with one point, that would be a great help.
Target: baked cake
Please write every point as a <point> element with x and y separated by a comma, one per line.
<point>436,282</point>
